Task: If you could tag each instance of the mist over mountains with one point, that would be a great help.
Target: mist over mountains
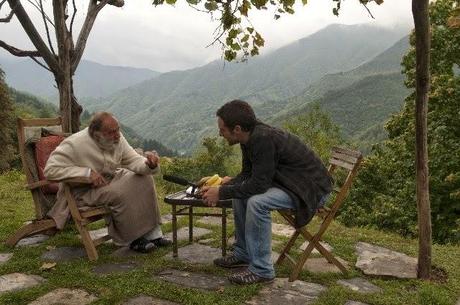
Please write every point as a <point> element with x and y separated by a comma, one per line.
<point>353,71</point>
<point>92,80</point>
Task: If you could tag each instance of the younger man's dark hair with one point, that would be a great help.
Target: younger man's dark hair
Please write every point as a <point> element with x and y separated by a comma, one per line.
<point>237,112</point>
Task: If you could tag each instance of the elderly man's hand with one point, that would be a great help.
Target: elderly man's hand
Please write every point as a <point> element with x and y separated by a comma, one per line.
<point>97,179</point>
<point>210,195</point>
<point>226,179</point>
<point>152,159</point>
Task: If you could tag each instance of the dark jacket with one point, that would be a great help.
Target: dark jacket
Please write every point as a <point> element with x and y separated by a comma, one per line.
<point>275,158</point>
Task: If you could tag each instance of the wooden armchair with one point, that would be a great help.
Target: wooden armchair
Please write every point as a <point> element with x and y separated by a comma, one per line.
<point>37,138</point>
<point>348,161</point>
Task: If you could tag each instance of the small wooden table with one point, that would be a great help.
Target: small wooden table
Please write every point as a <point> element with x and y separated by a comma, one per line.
<point>186,204</point>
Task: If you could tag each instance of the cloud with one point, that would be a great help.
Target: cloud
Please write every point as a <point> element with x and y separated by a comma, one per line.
<point>166,38</point>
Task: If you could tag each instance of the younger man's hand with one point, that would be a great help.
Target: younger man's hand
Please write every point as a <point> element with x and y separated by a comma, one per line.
<point>210,195</point>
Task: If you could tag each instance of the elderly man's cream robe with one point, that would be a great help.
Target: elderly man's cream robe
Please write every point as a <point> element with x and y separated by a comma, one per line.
<point>130,195</point>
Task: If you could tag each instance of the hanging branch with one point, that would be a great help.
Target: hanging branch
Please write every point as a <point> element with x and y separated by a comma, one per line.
<point>33,35</point>
<point>8,18</point>
<point>37,6</point>
<point>368,10</point>
<point>73,16</point>
<point>17,52</point>
<point>40,64</point>
<point>46,27</point>
<point>93,10</point>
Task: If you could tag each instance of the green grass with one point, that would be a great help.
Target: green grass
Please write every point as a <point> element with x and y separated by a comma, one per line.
<point>16,207</point>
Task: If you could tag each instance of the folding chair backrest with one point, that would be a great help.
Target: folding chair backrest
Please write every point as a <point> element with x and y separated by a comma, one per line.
<point>349,161</point>
<point>30,131</point>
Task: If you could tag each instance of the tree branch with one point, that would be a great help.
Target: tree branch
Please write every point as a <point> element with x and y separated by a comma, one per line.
<point>17,52</point>
<point>46,27</point>
<point>93,10</point>
<point>73,16</point>
<point>33,35</point>
<point>40,9</point>
<point>7,18</point>
<point>368,10</point>
<point>40,64</point>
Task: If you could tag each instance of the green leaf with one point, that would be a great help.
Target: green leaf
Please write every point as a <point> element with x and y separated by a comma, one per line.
<point>211,6</point>
<point>277,16</point>
<point>193,2</point>
<point>250,30</point>
<point>304,2</point>
<point>245,38</point>
<point>171,2</point>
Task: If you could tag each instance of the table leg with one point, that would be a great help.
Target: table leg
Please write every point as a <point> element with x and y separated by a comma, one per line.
<point>190,225</point>
<point>224,231</point>
<point>174,230</point>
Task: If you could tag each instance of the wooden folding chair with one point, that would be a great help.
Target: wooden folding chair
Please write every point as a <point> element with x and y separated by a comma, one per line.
<point>349,161</point>
<point>30,133</point>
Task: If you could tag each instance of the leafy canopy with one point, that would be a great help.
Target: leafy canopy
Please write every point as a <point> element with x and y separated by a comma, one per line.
<point>384,193</point>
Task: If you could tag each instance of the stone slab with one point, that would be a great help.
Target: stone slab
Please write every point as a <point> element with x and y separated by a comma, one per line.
<point>100,233</point>
<point>4,257</point>
<point>115,268</point>
<point>282,292</point>
<point>354,303</point>
<point>145,300</point>
<point>213,220</point>
<point>126,252</point>
<point>197,254</point>
<point>64,296</point>
<point>322,243</point>
<point>193,280</point>
<point>375,260</point>
<point>18,281</point>
<point>33,240</point>
<point>166,218</point>
<point>182,233</point>
<point>282,229</point>
<point>63,254</point>
<point>206,241</point>
<point>359,285</point>
<point>321,265</point>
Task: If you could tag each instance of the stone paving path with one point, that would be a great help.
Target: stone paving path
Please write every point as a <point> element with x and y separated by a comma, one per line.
<point>323,243</point>
<point>33,240</point>
<point>64,296</point>
<point>375,260</point>
<point>5,257</point>
<point>359,285</point>
<point>18,281</point>
<point>146,300</point>
<point>282,229</point>
<point>192,279</point>
<point>63,254</point>
<point>213,221</point>
<point>111,268</point>
<point>283,292</point>
<point>182,233</point>
<point>197,254</point>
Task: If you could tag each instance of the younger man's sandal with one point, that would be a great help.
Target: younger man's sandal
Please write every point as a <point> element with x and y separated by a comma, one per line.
<point>247,277</point>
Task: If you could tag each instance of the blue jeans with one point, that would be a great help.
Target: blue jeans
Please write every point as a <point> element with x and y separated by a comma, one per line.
<point>253,232</point>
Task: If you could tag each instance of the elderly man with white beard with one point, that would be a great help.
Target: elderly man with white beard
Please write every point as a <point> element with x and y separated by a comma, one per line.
<point>121,180</point>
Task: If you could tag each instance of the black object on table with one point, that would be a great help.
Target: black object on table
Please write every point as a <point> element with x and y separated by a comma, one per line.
<point>186,204</point>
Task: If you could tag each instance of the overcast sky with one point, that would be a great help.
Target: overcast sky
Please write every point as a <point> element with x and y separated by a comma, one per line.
<point>166,38</point>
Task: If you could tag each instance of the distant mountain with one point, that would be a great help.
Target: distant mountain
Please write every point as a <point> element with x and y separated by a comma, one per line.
<point>92,80</point>
<point>359,100</point>
<point>179,107</point>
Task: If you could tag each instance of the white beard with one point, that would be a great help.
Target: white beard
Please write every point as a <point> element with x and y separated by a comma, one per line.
<point>104,143</point>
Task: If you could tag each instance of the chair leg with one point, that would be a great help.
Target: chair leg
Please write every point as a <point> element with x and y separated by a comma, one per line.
<point>30,229</point>
<point>87,241</point>
<point>287,248</point>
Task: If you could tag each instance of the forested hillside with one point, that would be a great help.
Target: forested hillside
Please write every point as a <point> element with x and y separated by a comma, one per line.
<point>179,107</point>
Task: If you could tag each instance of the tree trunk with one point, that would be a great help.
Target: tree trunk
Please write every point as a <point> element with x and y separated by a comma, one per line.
<point>420,11</point>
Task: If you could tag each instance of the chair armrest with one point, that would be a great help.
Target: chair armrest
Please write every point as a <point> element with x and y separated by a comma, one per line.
<point>37,184</point>
<point>77,180</point>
